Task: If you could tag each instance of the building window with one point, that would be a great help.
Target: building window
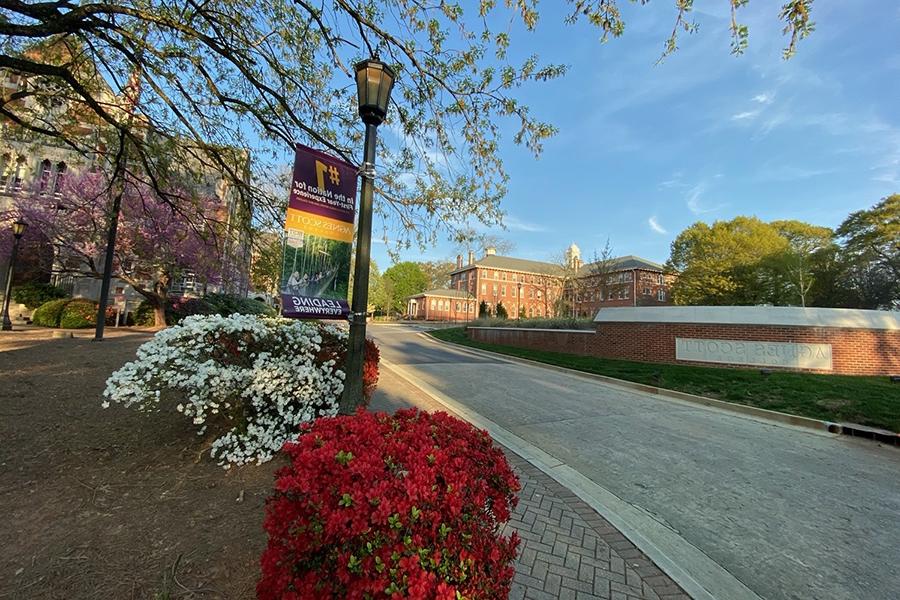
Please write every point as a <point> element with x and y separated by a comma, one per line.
<point>457,306</point>
<point>495,289</point>
<point>539,294</point>
<point>44,176</point>
<point>646,291</point>
<point>661,280</point>
<point>60,178</point>
<point>433,304</point>
<point>484,288</point>
<point>19,173</point>
<point>661,295</point>
<point>503,291</point>
<point>5,165</point>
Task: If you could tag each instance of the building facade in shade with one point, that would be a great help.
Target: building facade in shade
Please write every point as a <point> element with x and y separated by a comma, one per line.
<point>536,289</point>
<point>36,166</point>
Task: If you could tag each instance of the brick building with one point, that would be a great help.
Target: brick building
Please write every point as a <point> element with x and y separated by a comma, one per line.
<point>535,289</point>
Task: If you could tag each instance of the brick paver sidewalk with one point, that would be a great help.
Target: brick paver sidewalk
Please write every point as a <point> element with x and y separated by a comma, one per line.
<point>570,551</point>
<point>567,550</point>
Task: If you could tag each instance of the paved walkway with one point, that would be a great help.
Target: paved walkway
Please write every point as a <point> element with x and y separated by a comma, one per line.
<point>733,507</point>
<point>567,550</point>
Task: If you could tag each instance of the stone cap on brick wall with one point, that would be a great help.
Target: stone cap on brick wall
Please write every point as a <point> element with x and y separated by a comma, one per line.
<point>754,315</point>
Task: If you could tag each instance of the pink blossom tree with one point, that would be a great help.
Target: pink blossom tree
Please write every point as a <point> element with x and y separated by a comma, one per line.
<point>157,241</point>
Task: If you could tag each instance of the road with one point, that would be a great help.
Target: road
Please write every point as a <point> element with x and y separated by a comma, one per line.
<point>789,513</point>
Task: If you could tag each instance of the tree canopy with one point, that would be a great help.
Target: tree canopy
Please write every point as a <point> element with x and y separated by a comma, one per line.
<point>182,82</point>
<point>747,261</point>
<point>405,279</point>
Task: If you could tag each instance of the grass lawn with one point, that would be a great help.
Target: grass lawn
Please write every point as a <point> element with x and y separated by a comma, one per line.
<point>873,401</point>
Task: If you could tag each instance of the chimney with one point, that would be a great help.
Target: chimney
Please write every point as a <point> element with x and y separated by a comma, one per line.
<point>490,251</point>
<point>459,261</point>
<point>471,257</point>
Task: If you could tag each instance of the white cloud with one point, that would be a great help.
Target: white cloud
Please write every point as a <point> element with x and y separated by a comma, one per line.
<point>515,224</point>
<point>655,226</point>
<point>764,98</point>
<point>742,116</point>
<point>693,197</point>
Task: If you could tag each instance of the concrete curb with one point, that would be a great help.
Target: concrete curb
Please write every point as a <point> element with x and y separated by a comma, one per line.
<point>806,423</point>
<point>698,575</point>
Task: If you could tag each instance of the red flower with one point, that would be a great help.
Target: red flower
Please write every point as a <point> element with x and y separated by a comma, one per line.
<point>379,506</point>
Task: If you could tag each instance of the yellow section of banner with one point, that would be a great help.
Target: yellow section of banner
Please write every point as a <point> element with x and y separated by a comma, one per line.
<point>319,226</point>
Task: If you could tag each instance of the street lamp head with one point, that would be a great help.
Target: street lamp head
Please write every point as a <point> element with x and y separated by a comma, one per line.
<point>19,228</point>
<point>374,80</point>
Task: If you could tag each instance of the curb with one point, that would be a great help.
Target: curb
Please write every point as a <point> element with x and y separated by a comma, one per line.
<point>806,423</point>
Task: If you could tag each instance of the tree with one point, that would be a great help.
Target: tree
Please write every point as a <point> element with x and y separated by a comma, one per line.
<point>725,264</point>
<point>484,310</point>
<point>407,279</point>
<point>797,265</point>
<point>501,311</point>
<point>214,82</point>
<point>871,241</point>
<point>265,269</point>
<point>155,245</point>
<point>437,272</point>
<point>601,270</point>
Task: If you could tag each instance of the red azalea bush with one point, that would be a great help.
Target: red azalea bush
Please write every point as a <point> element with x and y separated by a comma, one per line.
<point>380,506</point>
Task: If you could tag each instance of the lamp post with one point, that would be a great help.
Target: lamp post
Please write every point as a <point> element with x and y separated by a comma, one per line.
<point>18,229</point>
<point>374,81</point>
<point>519,302</point>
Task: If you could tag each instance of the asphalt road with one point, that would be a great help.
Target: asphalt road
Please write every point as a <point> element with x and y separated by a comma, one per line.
<point>789,513</point>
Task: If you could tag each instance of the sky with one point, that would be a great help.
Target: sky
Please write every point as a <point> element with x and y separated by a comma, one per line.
<point>644,150</point>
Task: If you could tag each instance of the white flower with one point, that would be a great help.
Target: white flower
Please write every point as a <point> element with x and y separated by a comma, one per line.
<point>274,384</point>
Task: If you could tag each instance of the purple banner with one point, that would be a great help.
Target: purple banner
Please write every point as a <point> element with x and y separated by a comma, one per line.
<point>318,237</point>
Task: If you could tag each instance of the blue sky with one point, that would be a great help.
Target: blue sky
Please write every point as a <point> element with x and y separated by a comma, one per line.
<point>645,150</point>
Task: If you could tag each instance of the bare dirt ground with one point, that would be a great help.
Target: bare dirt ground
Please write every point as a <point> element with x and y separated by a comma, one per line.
<point>110,503</point>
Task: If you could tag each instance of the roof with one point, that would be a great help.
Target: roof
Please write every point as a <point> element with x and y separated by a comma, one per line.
<point>627,263</point>
<point>509,263</point>
<point>443,292</point>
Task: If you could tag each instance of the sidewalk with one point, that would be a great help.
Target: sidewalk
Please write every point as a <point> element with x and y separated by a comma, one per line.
<point>567,549</point>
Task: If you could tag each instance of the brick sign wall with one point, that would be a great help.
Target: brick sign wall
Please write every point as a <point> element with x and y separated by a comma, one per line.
<point>855,350</point>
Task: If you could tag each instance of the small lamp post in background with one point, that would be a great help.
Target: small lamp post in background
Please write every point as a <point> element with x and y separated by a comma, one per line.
<point>374,81</point>
<point>519,302</point>
<point>18,229</point>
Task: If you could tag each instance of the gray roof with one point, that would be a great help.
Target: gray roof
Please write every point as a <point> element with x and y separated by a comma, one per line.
<point>621,263</point>
<point>493,261</point>
<point>627,263</point>
<point>443,292</point>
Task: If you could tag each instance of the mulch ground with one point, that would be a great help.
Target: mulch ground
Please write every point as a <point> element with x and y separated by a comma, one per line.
<point>111,503</point>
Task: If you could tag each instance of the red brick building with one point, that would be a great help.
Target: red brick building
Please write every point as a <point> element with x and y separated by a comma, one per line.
<point>535,289</point>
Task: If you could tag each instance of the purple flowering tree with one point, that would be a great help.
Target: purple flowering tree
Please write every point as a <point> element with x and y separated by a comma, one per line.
<point>157,241</point>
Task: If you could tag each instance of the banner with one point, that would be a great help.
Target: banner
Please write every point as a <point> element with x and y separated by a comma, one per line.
<point>318,237</point>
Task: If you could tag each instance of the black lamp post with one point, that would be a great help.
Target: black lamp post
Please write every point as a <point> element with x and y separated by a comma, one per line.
<point>18,228</point>
<point>374,81</point>
<point>519,302</point>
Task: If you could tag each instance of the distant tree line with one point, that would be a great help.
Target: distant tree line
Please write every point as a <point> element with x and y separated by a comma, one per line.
<point>746,261</point>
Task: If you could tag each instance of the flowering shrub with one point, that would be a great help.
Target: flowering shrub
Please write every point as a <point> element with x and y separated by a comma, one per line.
<point>253,379</point>
<point>380,506</point>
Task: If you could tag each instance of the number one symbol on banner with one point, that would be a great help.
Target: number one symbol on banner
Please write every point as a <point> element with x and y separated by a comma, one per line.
<point>333,175</point>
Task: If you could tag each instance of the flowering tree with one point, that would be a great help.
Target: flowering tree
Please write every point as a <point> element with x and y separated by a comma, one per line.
<point>156,241</point>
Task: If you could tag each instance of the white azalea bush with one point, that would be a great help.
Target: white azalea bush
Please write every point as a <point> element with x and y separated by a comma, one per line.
<point>252,378</point>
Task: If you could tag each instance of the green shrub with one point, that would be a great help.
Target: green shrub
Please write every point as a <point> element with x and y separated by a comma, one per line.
<point>185,307</point>
<point>545,323</point>
<point>211,304</point>
<point>33,295</point>
<point>228,304</point>
<point>78,314</point>
<point>144,315</point>
<point>49,313</point>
